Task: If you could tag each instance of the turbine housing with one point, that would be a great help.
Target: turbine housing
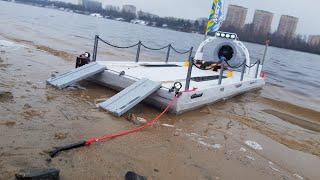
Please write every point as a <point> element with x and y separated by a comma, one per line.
<point>223,45</point>
<point>227,50</point>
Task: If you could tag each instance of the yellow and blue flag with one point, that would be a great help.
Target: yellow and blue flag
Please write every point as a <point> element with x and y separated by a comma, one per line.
<point>216,16</point>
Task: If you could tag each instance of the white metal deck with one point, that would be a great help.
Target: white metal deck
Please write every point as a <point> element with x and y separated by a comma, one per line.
<point>168,75</point>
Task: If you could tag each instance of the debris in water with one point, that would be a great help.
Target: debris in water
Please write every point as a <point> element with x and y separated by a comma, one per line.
<point>229,125</point>
<point>216,146</point>
<point>28,82</point>
<point>136,120</point>
<point>52,174</point>
<point>60,136</point>
<point>27,106</point>
<point>28,114</point>
<point>4,66</point>
<point>254,145</point>
<point>168,125</point>
<point>34,86</point>
<point>298,176</point>
<point>5,96</point>
<point>203,143</point>
<point>275,169</point>
<point>194,134</point>
<point>134,176</point>
<point>8,123</point>
<point>141,121</point>
<point>250,158</point>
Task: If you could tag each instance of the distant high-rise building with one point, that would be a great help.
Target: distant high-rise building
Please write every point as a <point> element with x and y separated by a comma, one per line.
<point>112,8</point>
<point>80,2</point>
<point>287,26</point>
<point>129,9</point>
<point>91,5</point>
<point>262,21</point>
<point>236,16</point>
<point>314,40</point>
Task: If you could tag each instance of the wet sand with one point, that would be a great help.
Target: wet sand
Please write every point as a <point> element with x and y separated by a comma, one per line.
<point>209,143</point>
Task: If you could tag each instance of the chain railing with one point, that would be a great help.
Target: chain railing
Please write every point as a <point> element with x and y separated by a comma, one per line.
<point>243,70</point>
<point>139,45</point>
<point>226,63</point>
<point>169,47</point>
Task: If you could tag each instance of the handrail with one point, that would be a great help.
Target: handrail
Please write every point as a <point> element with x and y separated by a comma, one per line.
<point>119,47</point>
<point>155,49</point>
<point>243,65</point>
<point>139,45</point>
<point>179,52</point>
<point>145,46</point>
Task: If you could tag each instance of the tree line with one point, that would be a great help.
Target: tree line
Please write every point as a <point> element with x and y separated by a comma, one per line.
<point>247,33</point>
<point>298,42</point>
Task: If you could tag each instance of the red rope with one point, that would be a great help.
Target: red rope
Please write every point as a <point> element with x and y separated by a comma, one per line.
<point>130,131</point>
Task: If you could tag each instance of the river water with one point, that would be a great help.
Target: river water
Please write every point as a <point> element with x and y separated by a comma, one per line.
<point>36,42</point>
<point>291,76</point>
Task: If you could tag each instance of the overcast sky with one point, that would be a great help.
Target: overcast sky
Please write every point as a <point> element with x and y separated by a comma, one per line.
<point>306,10</point>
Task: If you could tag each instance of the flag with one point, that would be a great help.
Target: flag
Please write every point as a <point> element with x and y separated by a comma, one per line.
<point>216,16</point>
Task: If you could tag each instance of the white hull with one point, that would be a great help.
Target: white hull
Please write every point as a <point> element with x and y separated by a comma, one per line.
<point>207,92</point>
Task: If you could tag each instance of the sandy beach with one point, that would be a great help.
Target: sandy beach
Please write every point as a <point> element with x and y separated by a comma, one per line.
<point>248,137</point>
<point>272,133</point>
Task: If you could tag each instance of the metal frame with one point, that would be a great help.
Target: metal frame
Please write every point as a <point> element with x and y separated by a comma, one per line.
<point>139,44</point>
<point>198,56</point>
<point>188,79</point>
<point>95,48</point>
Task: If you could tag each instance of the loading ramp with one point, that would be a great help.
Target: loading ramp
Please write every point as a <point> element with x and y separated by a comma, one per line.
<point>130,97</point>
<point>66,79</point>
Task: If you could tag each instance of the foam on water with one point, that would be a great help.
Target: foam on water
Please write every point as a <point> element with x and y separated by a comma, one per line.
<point>9,44</point>
<point>254,145</point>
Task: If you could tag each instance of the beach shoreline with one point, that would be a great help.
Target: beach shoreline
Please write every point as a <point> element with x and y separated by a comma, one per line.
<point>208,143</point>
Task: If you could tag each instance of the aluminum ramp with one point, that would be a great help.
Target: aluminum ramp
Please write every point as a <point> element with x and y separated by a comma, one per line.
<point>75,75</point>
<point>129,97</point>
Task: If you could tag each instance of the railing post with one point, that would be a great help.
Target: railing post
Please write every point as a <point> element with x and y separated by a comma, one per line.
<point>243,71</point>
<point>221,73</point>
<point>188,79</point>
<point>95,48</point>
<point>138,52</point>
<point>168,53</point>
<point>257,70</point>
<point>265,52</point>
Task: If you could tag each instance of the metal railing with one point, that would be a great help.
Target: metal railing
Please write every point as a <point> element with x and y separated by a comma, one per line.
<point>169,47</point>
<point>243,67</point>
<point>139,45</point>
